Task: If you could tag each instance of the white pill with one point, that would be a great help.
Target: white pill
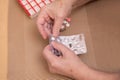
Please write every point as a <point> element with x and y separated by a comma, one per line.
<point>65,22</point>
<point>67,25</point>
<point>52,38</point>
<point>62,27</point>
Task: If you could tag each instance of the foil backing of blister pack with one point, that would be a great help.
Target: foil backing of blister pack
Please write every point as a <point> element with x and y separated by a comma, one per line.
<point>76,43</point>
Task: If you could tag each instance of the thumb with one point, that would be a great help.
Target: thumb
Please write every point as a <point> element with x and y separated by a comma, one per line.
<point>60,47</point>
<point>48,55</point>
<point>57,26</point>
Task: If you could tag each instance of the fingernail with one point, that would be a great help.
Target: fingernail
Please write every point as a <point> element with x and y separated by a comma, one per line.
<point>53,43</point>
<point>56,34</point>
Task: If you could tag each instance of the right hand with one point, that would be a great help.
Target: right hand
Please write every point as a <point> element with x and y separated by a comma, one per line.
<point>55,12</point>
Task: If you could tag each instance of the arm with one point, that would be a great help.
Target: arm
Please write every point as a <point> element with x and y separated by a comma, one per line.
<point>98,75</point>
<point>70,65</point>
<point>56,12</point>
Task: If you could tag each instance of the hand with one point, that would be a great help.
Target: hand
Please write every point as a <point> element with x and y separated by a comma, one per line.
<point>55,12</point>
<point>68,64</point>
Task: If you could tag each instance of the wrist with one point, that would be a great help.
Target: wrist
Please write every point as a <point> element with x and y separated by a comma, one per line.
<point>83,72</point>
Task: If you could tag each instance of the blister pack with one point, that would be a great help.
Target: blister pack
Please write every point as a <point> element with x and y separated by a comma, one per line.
<point>76,43</point>
<point>33,8</point>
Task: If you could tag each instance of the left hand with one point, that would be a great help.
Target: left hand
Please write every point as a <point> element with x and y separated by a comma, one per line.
<point>68,64</point>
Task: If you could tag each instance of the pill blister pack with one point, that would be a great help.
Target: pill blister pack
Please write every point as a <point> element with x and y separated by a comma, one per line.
<point>75,42</point>
<point>65,24</point>
<point>33,7</point>
<point>54,51</point>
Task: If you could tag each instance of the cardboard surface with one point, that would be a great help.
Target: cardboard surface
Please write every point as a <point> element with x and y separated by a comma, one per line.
<point>3,38</point>
<point>104,22</point>
<point>25,45</point>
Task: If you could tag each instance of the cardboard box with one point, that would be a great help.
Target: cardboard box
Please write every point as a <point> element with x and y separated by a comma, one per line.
<point>99,21</point>
<point>3,38</point>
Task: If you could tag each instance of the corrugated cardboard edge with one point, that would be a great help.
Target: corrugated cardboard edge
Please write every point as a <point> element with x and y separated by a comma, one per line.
<point>92,58</point>
<point>3,39</point>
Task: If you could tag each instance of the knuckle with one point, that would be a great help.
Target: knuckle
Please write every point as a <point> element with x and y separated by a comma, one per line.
<point>61,15</point>
<point>53,65</point>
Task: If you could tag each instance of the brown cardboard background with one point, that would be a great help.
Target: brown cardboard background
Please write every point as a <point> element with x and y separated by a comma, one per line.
<point>3,39</point>
<point>104,22</point>
<point>25,44</point>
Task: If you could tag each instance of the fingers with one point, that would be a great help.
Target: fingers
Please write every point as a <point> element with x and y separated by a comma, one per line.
<point>57,26</point>
<point>46,16</point>
<point>61,48</point>
<point>42,23</point>
<point>49,56</point>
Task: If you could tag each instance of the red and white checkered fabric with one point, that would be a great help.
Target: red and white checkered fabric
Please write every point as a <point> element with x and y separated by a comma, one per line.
<point>32,7</point>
